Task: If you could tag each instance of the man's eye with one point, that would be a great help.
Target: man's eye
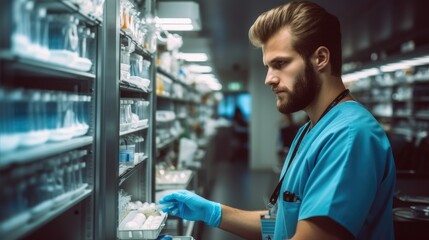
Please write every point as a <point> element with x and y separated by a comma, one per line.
<point>279,64</point>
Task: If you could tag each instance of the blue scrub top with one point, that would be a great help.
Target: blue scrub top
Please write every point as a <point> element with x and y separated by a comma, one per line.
<point>344,170</point>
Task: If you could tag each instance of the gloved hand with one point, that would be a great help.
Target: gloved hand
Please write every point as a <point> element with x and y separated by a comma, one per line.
<point>190,206</point>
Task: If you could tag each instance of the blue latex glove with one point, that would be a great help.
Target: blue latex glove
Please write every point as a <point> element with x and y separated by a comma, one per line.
<point>190,206</point>
<point>165,237</point>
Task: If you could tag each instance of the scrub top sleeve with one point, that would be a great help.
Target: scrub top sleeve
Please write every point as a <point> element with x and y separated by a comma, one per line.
<point>342,185</point>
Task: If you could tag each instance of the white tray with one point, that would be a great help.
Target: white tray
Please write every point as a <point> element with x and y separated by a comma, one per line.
<point>139,233</point>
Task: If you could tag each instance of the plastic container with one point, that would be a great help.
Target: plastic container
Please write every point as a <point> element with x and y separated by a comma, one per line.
<point>167,86</point>
<point>8,137</point>
<point>125,72</point>
<point>126,151</point>
<point>136,62</point>
<point>141,108</point>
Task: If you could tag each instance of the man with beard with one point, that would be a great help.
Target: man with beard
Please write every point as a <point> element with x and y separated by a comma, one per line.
<point>339,176</point>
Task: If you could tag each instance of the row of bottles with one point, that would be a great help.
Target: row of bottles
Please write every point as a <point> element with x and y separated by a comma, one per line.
<point>58,38</point>
<point>32,117</point>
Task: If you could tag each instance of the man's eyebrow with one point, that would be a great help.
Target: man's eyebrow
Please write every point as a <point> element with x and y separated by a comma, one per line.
<point>276,59</point>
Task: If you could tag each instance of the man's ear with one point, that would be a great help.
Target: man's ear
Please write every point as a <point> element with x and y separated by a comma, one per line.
<point>321,56</point>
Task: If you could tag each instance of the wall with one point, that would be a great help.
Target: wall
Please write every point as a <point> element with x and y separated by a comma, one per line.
<point>264,119</point>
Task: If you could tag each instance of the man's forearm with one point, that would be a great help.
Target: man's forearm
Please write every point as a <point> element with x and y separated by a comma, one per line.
<point>243,223</point>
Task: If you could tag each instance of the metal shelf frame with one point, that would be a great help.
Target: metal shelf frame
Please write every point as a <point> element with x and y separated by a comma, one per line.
<point>109,92</point>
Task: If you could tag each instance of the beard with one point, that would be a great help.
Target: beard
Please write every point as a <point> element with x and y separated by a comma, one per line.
<point>306,86</point>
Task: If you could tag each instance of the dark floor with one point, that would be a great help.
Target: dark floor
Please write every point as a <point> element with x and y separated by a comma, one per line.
<point>236,186</point>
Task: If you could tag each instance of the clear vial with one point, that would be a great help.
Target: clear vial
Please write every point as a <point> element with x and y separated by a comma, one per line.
<point>122,112</point>
<point>8,136</point>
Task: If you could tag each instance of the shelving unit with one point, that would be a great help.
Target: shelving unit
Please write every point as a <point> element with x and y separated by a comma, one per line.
<point>396,105</point>
<point>398,100</point>
<point>174,95</point>
<point>136,179</point>
<point>181,106</point>
<point>86,166</point>
<point>50,170</point>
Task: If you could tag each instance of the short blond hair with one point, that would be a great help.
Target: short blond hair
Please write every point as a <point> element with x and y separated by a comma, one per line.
<point>311,26</point>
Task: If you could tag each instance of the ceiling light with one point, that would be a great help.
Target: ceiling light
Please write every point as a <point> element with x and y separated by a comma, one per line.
<point>194,57</point>
<point>200,69</point>
<point>206,77</point>
<point>208,80</point>
<point>179,16</point>
<point>178,27</point>
<point>234,86</point>
<point>391,67</point>
<point>175,20</point>
<point>360,74</point>
<point>215,86</point>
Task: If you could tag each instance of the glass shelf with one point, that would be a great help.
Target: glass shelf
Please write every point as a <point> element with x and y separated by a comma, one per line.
<point>138,49</point>
<point>42,68</point>
<point>22,155</point>
<point>133,130</point>
<point>165,73</point>
<point>125,86</point>
<point>179,100</point>
<point>125,175</point>
<point>67,6</point>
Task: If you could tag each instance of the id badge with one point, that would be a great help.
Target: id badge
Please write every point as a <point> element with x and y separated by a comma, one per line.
<point>268,224</point>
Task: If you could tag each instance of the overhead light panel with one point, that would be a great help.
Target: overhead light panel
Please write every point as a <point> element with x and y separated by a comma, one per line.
<point>179,16</point>
<point>200,69</point>
<point>178,27</point>
<point>209,80</point>
<point>204,77</point>
<point>194,57</point>
<point>391,67</point>
<point>235,86</point>
<point>215,86</point>
<point>360,74</point>
<point>175,21</point>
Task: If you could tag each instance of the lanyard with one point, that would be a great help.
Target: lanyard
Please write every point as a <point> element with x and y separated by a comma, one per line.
<point>276,192</point>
